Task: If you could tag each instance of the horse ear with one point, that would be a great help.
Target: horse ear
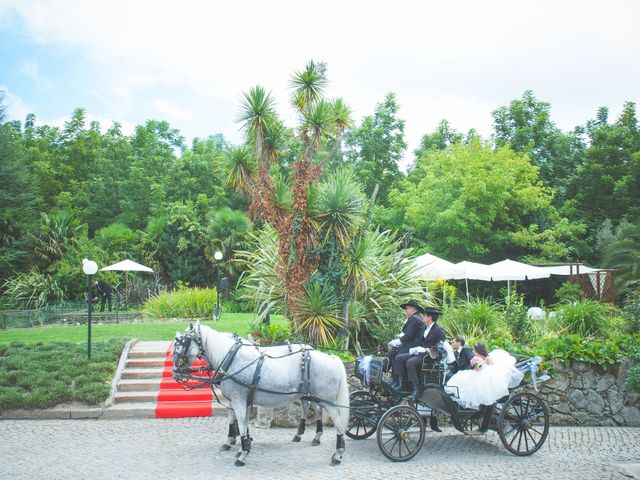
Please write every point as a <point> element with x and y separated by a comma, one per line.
<point>198,323</point>
<point>190,326</point>
<point>177,334</point>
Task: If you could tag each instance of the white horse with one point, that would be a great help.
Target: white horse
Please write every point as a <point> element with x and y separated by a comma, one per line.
<point>267,377</point>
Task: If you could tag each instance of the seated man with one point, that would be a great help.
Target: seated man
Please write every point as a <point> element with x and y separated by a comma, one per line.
<point>411,332</point>
<point>410,362</point>
<point>463,356</point>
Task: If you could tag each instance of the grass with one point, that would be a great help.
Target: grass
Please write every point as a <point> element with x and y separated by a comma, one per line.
<point>42,375</point>
<point>147,330</point>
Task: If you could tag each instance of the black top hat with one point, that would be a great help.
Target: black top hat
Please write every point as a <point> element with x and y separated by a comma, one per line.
<point>414,304</point>
<point>432,311</point>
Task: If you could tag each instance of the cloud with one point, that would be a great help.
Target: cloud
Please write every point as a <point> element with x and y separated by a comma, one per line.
<point>173,112</point>
<point>31,70</point>
<point>16,107</point>
<point>456,60</point>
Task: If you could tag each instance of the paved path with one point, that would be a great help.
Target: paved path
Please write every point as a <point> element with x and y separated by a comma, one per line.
<point>188,448</point>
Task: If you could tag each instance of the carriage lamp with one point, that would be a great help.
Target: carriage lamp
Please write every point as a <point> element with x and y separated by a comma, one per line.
<point>216,310</point>
<point>89,267</point>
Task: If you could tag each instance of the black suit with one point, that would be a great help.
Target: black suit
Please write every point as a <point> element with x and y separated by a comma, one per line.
<point>409,364</point>
<point>104,293</point>
<point>413,329</point>
<point>463,362</point>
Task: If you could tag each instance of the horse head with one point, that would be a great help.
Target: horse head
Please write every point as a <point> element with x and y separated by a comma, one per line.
<point>187,348</point>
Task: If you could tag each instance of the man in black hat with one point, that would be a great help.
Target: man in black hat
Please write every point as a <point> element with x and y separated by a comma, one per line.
<point>409,338</point>
<point>411,361</point>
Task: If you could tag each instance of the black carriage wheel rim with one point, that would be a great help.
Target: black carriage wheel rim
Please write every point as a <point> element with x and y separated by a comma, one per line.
<point>361,424</point>
<point>528,419</point>
<point>400,435</point>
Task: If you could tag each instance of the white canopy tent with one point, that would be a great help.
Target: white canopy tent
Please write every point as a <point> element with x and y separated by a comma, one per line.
<point>566,270</point>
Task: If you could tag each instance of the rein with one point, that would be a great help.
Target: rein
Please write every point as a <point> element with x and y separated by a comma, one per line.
<point>222,372</point>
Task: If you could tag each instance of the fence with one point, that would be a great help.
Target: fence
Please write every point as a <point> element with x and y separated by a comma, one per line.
<point>64,313</point>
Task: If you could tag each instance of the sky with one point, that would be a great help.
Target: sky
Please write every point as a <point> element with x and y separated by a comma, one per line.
<point>189,62</point>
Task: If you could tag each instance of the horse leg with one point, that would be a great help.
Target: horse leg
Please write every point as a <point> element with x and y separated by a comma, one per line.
<point>316,438</point>
<point>233,431</point>
<point>336,458</point>
<point>245,440</point>
<point>304,404</point>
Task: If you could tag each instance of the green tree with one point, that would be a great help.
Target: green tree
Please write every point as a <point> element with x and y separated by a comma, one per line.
<point>476,203</point>
<point>526,126</point>
<point>623,254</point>
<point>18,200</point>
<point>376,147</point>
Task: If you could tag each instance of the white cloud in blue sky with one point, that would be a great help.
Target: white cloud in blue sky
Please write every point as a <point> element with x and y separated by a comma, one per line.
<point>189,62</point>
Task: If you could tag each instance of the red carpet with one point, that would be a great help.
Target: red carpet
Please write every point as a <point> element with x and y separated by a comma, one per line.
<point>174,401</point>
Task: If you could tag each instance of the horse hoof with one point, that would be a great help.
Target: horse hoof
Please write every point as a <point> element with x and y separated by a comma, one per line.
<point>315,443</point>
<point>239,463</point>
<point>238,454</point>
<point>296,438</point>
<point>225,448</point>
<point>335,461</point>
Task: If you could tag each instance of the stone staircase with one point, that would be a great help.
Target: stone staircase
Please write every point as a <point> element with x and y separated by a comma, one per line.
<point>137,389</point>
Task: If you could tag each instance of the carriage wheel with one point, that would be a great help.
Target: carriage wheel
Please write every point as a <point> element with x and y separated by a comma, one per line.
<point>362,419</point>
<point>400,433</point>
<point>523,424</point>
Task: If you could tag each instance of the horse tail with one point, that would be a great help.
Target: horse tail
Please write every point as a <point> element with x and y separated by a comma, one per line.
<point>343,397</point>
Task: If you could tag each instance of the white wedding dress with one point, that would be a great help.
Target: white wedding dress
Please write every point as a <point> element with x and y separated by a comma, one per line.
<point>472,388</point>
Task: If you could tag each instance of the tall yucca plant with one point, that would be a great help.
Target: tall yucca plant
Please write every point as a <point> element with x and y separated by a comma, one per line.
<point>255,112</point>
<point>308,85</point>
<point>318,314</point>
<point>241,168</point>
<point>261,279</point>
<point>340,207</point>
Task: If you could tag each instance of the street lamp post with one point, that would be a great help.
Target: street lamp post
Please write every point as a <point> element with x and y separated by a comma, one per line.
<point>216,310</point>
<point>89,267</point>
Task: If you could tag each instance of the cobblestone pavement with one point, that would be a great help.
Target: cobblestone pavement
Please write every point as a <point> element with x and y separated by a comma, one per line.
<point>188,448</point>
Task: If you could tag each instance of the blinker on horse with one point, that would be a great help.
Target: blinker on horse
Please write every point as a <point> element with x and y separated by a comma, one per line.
<point>265,376</point>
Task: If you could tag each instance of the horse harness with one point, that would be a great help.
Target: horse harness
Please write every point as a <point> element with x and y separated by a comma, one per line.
<point>182,375</point>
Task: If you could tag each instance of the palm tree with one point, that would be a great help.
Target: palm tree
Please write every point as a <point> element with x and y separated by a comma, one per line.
<point>59,230</point>
<point>341,119</point>
<point>623,254</point>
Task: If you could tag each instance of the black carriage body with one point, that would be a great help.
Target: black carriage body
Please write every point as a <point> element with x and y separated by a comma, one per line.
<point>521,419</point>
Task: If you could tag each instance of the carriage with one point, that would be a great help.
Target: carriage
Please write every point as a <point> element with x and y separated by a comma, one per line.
<point>521,419</point>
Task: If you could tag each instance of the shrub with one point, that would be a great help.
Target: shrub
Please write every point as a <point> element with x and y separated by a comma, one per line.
<point>381,328</point>
<point>479,318</point>
<point>273,333</point>
<point>516,318</point>
<point>182,303</point>
<point>33,289</point>
<point>569,293</point>
<point>631,313</point>
<point>588,318</point>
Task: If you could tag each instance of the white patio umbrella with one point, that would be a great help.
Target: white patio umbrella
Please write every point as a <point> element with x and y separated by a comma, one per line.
<point>511,270</point>
<point>473,271</point>
<point>127,266</point>
<point>431,267</point>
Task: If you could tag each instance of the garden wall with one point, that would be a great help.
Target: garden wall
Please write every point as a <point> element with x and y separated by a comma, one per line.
<point>585,394</point>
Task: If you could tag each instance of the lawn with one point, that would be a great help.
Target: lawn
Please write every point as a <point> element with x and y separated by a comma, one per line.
<point>147,330</point>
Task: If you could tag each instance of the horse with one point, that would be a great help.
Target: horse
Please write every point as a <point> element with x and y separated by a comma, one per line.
<point>266,377</point>
<point>279,350</point>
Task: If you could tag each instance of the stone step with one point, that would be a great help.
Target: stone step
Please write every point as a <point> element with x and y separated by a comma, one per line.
<point>139,385</point>
<point>144,362</point>
<point>147,410</point>
<point>131,410</point>
<point>132,373</point>
<point>136,396</point>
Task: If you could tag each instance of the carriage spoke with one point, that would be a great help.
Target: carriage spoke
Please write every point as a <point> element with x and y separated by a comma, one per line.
<point>533,440</point>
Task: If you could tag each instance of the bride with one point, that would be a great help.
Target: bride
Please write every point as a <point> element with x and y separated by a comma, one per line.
<point>492,376</point>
